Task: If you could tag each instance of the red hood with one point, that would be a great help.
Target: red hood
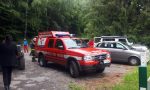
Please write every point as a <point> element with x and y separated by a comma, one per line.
<point>89,51</point>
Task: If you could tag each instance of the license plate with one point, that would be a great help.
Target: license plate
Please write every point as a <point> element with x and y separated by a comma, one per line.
<point>100,57</point>
<point>106,61</point>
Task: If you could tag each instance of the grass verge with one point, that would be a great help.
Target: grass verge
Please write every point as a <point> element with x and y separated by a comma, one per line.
<point>130,81</point>
<point>73,86</point>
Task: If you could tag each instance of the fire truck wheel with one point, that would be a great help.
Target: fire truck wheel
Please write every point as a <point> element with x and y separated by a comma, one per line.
<point>100,70</point>
<point>22,64</point>
<point>73,69</point>
<point>42,61</point>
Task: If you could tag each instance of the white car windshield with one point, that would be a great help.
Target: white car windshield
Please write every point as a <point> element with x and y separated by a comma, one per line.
<point>70,44</point>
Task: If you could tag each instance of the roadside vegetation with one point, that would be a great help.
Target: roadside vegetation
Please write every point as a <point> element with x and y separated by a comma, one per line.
<point>129,82</point>
<point>22,18</point>
<point>73,86</point>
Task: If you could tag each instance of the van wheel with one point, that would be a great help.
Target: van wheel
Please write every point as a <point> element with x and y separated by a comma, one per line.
<point>73,69</point>
<point>100,70</point>
<point>134,61</point>
<point>42,62</point>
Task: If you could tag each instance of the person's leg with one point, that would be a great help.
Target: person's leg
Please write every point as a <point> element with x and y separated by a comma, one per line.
<point>27,49</point>
<point>24,47</point>
<point>9,75</point>
<point>5,76</point>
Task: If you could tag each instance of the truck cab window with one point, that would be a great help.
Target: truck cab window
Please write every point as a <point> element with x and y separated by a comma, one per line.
<point>50,43</point>
<point>59,44</point>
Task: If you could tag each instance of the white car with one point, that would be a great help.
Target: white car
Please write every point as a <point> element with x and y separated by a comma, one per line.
<point>120,39</point>
<point>121,52</point>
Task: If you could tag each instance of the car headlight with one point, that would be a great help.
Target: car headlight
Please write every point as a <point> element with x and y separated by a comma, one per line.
<point>87,58</point>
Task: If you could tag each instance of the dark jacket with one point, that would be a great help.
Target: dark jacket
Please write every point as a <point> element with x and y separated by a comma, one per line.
<point>8,54</point>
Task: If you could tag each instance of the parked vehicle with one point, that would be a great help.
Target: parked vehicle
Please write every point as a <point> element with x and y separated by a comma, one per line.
<point>112,38</point>
<point>121,52</point>
<point>58,47</point>
<point>21,60</point>
<point>122,39</point>
<point>20,64</point>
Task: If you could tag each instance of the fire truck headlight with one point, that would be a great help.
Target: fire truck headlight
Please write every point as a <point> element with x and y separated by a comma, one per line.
<point>87,58</point>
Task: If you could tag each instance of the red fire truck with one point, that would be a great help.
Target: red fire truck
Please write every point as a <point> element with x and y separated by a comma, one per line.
<point>58,47</point>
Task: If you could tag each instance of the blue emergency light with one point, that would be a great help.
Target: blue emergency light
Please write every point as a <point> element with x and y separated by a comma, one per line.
<point>62,35</point>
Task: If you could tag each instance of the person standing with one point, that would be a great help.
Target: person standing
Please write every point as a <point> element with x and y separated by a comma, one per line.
<point>91,42</point>
<point>32,45</point>
<point>25,46</point>
<point>8,59</point>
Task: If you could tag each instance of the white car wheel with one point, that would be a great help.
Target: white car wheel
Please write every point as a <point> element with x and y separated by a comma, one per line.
<point>134,61</point>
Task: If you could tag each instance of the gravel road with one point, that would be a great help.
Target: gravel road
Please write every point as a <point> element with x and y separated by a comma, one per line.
<point>55,77</point>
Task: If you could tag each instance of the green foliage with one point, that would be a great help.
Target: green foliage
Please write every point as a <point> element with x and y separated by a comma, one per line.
<point>73,86</point>
<point>130,81</point>
<point>82,17</point>
<point>117,17</point>
<point>10,17</point>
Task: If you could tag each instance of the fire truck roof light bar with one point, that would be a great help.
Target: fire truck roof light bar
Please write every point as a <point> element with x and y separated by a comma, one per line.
<point>54,34</point>
<point>62,35</point>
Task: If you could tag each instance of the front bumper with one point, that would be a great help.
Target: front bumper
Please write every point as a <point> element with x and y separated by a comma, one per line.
<point>94,65</point>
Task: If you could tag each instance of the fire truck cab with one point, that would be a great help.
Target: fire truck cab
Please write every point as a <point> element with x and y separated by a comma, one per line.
<point>58,47</point>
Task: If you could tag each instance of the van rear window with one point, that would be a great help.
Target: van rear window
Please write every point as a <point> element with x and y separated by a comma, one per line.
<point>122,40</point>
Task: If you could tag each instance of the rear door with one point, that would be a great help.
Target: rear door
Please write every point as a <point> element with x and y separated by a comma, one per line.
<point>50,55</point>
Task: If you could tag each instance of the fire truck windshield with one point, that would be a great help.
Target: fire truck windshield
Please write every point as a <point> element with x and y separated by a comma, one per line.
<point>71,44</point>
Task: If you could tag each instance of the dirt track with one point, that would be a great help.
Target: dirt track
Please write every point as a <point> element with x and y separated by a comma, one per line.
<point>55,77</point>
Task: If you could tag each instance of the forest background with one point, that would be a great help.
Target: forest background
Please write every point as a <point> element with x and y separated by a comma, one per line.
<point>25,18</point>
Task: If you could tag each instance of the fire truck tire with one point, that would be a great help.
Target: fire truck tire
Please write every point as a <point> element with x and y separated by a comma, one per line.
<point>42,61</point>
<point>100,70</point>
<point>22,64</point>
<point>73,69</point>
